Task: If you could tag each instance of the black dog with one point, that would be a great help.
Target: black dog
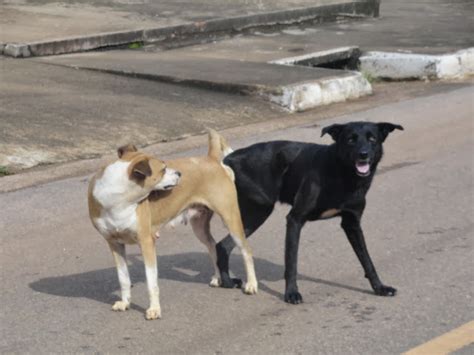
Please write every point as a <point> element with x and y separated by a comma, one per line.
<point>318,181</point>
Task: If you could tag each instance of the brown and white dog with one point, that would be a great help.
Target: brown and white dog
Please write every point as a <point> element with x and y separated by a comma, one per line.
<point>131,198</point>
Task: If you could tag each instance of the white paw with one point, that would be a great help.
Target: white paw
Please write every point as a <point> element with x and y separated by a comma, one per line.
<point>153,313</point>
<point>215,281</point>
<point>121,306</point>
<point>251,288</point>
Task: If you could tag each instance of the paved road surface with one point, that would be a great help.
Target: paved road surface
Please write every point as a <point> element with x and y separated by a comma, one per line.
<point>58,280</point>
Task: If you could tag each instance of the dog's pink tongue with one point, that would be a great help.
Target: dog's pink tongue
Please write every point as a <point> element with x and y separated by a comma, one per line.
<point>363,168</point>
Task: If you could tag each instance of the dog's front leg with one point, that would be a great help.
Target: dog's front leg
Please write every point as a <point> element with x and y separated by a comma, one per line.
<point>119,253</point>
<point>147,240</point>
<point>147,244</point>
<point>293,231</point>
<point>305,201</point>
<point>351,225</point>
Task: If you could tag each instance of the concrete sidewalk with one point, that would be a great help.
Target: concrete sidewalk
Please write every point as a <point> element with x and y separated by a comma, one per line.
<point>50,114</point>
<point>40,27</point>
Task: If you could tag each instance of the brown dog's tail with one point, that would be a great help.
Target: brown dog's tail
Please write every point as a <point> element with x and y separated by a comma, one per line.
<point>218,146</point>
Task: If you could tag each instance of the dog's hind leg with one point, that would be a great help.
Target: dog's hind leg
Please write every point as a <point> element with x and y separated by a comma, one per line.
<point>119,253</point>
<point>351,225</point>
<point>231,218</point>
<point>200,223</point>
<point>253,216</point>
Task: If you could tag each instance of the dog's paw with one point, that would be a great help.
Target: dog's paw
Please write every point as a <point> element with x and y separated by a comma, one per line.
<point>293,297</point>
<point>237,283</point>
<point>215,281</point>
<point>231,283</point>
<point>385,291</point>
<point>120,306</point>
<point>153,313</point>
<point>251,288</point>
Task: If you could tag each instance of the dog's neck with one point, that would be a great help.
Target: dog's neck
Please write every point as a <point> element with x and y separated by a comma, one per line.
<point>115,190</point>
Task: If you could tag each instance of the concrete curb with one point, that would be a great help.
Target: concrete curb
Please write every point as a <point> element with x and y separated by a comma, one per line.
<point>398,66</point>
<point>305,96</point>
<point>191,30</point>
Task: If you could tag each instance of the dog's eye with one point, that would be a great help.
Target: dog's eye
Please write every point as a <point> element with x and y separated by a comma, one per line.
<point>372,139</point>
<point>351,140</point>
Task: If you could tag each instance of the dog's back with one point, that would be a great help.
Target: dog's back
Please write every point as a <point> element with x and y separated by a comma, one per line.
<point>201,178</point>
<point>271,172</point>
<point>260,168</point>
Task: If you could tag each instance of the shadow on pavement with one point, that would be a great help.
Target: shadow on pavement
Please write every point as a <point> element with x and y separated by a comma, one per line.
<point>102,285</point>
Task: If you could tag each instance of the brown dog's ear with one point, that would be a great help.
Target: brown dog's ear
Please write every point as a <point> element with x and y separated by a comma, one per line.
<point>141,169</point>
<point>385,128</point>
<point>333,130</point>
<point>125,149</point>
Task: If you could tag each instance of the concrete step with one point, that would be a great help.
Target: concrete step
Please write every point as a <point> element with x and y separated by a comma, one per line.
<point>296,88</point>
<point>50,29</point>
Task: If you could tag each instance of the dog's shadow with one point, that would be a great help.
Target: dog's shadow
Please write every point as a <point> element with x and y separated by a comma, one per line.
<point>102,285</point>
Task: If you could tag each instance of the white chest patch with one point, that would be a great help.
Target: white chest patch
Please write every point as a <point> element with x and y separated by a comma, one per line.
<point>117,221</point>
<point>111,190</point>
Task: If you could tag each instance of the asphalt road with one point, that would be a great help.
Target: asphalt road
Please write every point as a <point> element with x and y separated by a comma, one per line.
<point>58,280</point>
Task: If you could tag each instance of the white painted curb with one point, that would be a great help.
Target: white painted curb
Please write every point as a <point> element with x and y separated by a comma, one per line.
<point>304,96</point>
<point>391,65</point>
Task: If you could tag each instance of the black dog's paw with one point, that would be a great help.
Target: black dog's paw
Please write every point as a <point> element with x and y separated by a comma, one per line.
<point>385,291</point>
<point>237,283</point>
<point>293,297</point>
<point>231,283</point>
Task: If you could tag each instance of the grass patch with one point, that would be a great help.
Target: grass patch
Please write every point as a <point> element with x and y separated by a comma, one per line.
<point>369,77</point>
<point>4,171</point>
<point>136,45</point>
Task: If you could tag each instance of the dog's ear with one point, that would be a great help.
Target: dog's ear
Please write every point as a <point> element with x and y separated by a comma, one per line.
<point>141,169</point>
<point>333,130</point>
<point>125,149</point>
<point>385,128</point>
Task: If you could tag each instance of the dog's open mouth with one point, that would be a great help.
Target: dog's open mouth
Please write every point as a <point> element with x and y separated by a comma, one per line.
<point>363,167</point>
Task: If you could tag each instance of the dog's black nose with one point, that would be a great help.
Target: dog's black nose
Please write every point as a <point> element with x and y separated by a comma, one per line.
<point>363,154</point>
<point>178,173</point>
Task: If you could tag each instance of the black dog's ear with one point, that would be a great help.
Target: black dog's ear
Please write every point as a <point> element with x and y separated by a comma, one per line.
<point>126,148</point>
<point>333,130</point>
<point>385,128</point>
